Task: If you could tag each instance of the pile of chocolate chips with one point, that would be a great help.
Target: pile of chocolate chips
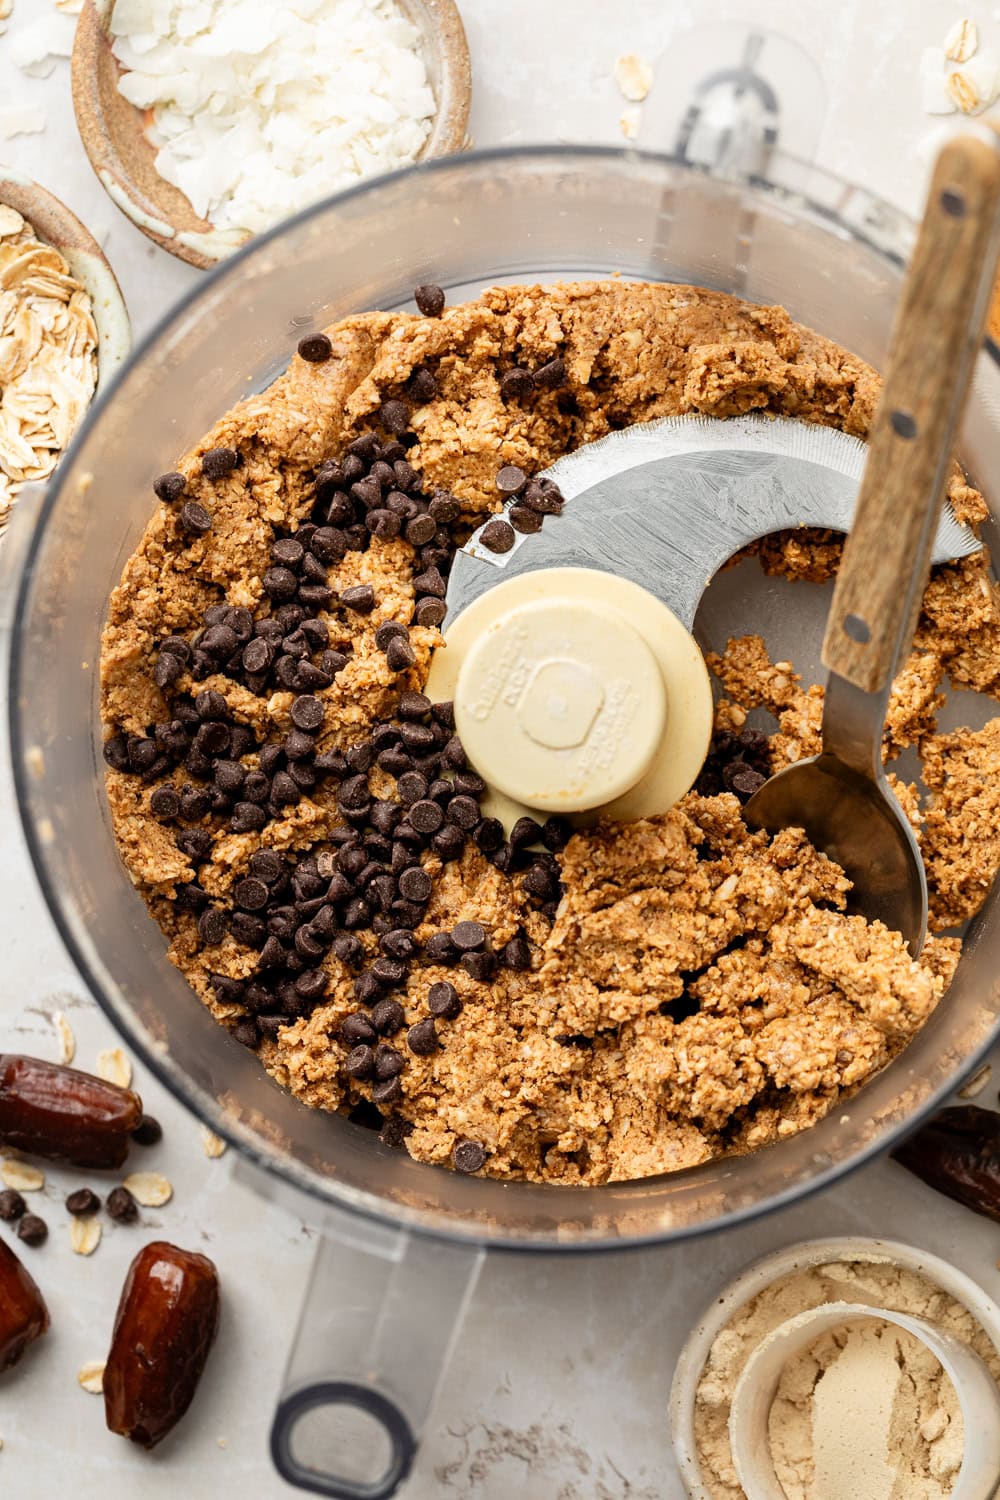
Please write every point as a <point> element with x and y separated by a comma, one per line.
<point>737,763</point>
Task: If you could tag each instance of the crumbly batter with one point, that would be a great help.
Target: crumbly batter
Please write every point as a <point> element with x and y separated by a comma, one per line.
<point>927,1449</point>
<point>698,989</point>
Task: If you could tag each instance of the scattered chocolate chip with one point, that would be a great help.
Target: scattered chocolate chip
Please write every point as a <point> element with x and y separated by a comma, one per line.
<point>148,1132</point>
<point>169,487</point>
<point>480,966</point>
<point>422,386</point>
<point>394,1132</point>
<point>464,813</point>
<point>429,612</point>
<point>195,518</point>
<point>250,893</point>
<point>211,927</point>
<point>516,384</point>
<point>510,479</point>
<point>426,816</point>
<point>247,1033</point>
<point>449,842</point>
<point>431,582</point>
<point>429,299</point>
<point>316,348</point>
<point>165,804</point>
<point>551,375</point>
<point>439,949</point>
<point>497,535</point>
<point>544,495</point>
<point>83,1201</point>
<point>307,712</point>
<point>247,818</point>
<point>415,884</point>
<point>489,835</point>
<point>524,519</point>
<point>468,936</point>
<point>387,1091</point>
<point>356,1029</point>
<point>12,1205</point>
<point>360,598</point>
<point>33,1230</point>
<point>524,832</point>
<point>399,654</point>
<point>389,1062</point>
<point>516,955</point>
<point>468,1156</point>
<point>167,669</point>
<point>388,1017</point>
<point>121,1205</point>
<point>422,1039</point>
<point>442,1000</point>
<point>360,1063</point>
<point>395,417</point>
<point>218,462</point>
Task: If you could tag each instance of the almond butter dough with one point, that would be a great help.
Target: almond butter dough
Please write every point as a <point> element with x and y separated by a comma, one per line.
<point>700,990</point>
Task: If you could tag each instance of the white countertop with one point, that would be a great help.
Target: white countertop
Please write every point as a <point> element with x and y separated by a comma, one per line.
<point>559,1385</point>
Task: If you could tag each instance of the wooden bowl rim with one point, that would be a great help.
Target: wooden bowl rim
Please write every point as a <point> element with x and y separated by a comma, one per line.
<point>207,245</point>
<point>59,226</point>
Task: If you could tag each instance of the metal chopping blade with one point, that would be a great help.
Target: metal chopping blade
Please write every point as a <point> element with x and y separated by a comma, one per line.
<point>666,503</point>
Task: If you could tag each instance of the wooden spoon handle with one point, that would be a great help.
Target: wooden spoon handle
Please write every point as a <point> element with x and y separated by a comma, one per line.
<point>936,336</point>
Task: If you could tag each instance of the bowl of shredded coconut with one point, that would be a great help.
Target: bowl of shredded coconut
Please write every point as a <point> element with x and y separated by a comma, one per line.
<point>64,330</point>
<point>208,121</point>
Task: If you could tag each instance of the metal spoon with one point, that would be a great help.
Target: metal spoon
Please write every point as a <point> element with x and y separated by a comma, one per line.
<point>841,797</point>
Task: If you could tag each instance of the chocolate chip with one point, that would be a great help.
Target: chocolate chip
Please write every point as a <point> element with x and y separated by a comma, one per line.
<point>497,536</point>
<point>165,803</point>
<point>82,1201</point>
<point>353,794</point>
<point>367,988</point>
<point>12,1205</point>
<point>442,1000</point>
<point>121,1205</point>
<point>169,487</point>
<point>422,1039</point>
<point>415,884</point>
<point>429,612</point>
<point>195,519</point>
<point>524,832</point>
<point>444,508</point>
<point>388,1017</point>
<point>464,813</point>
<point>360,1063</point>
<point>394,417</point>
<point>315,348</point>
<point>544,495</point>
<point>468,1156</point>
<point>429,299</point>
<point>383,523</point>
<point>510,479</point>
<point>211,927</point>
<point>449,842</point>
<point>468,936</point>
<point>439,949</point>
<point>421,530</point>
<point>247,818</point>
<point>280,584</point>
<point>311,984</point>
<point>148,1132</point>
<point>250,893</point>
<point>167,669</point>
<point>551,375</point>
<point>430,582</point>
<point>515,384</point>
<point>388,1091</point>
<point>218,462</point>
<point>288,552</point>
<point>394,1132</point>
<point>539,882</point>
<point>329,544</point>
<point>524,520</point>
<point>33,1230</point>
<point>397,942</point>
<point>315,595</point>
<point>746,782</point>
<point>195,804</point>
<point>307,712</point>
<point>426,816</point>
<point>556,834</point>
<point>191,897</point>
<point>357,914</point>
<point>422,386</point>
<point>356,1029</point>
<point>399,654</point>
<point>389,1062</point>
<point>480,966</point>
<point>360,598</point>
<point>248,929</point>
<point>412,787</point>
<point>516,955</point>
<point>227,991</point>
<point>389,971</point>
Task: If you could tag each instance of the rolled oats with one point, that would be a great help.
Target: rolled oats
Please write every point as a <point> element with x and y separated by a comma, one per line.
<point>963,92</point>
<point>85,1235</point>
<point>91,1376</point>
<point>114,1067</point>
<point>67,1041</point>
<point>961,41</point>
<point>21,1176</point>
<point>48,356</point>
<point>633,76</point>
<point>149,1188</point>
<point>213,1145</point>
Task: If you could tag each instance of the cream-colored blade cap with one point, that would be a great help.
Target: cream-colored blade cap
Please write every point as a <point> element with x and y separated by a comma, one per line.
<point>577,693</point>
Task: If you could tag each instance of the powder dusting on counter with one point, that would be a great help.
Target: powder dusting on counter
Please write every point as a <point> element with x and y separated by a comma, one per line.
<point>923,1464</point>
<point>866,1410</point>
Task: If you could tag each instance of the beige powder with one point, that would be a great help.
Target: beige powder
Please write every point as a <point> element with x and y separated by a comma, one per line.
<point>866,1410</point>
<point>874,1283</point>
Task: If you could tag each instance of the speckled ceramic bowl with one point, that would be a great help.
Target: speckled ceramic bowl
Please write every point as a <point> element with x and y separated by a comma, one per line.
<point>112,129</point>
<point>53,222</point>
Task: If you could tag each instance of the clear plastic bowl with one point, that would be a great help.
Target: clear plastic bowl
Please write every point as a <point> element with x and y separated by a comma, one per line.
<point>831,253</point>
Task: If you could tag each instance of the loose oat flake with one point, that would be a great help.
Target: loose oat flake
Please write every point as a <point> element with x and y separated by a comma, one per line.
<point>48,356</point>
<point>963,92</point>
<point>91,1376</point>
<point>114,1067</point>
<point>20,1175</point>
<point>85,1235</point>
<point>633,76</point>
<point>67,1041</point>
<point>977,1082</point>
<point>213,1145</point>
<point>961,41</point>
<point>149,1188</point>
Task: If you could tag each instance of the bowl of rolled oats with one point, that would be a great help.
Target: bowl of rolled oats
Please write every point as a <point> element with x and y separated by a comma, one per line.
<point>64,330</point>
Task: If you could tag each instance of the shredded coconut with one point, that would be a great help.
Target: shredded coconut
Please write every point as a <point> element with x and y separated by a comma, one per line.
<point>259,109</point>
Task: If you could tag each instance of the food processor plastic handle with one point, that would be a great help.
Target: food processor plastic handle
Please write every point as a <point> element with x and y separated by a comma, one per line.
<point>375,1334</point>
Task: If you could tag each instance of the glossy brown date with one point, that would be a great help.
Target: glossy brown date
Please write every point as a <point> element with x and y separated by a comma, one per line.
<point>166,1323</point>
<point>958,1152</point>
<point>23,1314</point>
<point>64,1115</point>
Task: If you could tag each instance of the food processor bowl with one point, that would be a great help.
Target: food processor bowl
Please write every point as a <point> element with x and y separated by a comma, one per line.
<point>832,255</point>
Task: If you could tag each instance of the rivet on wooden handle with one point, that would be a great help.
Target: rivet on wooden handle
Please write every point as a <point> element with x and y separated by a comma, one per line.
<point>936,337</point>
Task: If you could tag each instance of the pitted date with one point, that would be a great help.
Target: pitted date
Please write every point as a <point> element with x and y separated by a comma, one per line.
<point>65,1115</point>
<point>166,1323</point>
<point>958,1152</point>
<point>23,1314</point>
